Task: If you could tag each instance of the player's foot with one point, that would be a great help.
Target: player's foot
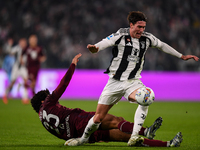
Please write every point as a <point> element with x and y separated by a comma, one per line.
<point>176,141</point>
<point>150,133</point>
<point>135,141</point>
<point>75,142</point>
<point>25,101</point>
<point>5,100</point>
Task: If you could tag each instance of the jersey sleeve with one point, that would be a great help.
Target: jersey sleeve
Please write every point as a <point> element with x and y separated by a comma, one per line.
<point>108,41</point>
<point>57,93</point>
<point>155,42</point>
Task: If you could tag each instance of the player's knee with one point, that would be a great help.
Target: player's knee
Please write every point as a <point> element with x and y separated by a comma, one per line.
<point>121,119</point>
<point>116,120</point>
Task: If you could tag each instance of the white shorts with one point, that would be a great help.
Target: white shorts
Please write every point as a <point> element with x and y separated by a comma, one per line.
<point>115,90</point>
<point>19,72</point>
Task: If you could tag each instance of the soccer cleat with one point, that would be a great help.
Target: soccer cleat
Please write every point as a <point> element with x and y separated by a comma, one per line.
<point>25,101</point>
<point>135,141</point>
<point>5,100</point>
<point>150,133</point>
<point>176,141</point>
<point>75,142</point>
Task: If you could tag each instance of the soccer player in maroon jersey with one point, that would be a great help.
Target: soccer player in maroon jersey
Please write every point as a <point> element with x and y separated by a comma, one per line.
<point>66,123</point>
<point>35,57</point>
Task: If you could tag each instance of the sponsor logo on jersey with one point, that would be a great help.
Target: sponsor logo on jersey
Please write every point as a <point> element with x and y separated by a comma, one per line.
<point>109,37</point>
<point>133,58</point>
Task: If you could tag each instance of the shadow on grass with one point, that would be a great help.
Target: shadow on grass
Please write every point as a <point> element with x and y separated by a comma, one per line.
<point>60,145</point>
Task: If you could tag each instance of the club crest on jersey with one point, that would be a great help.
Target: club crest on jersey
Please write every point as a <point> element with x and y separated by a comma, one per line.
<point>142,44</point>
<point>128,40</point>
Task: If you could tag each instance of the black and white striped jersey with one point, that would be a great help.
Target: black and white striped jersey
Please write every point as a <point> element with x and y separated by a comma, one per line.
<point>17,52</point>
<point>128,53</point>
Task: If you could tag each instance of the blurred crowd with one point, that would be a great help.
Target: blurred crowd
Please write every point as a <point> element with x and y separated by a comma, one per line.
<point>64,28</point>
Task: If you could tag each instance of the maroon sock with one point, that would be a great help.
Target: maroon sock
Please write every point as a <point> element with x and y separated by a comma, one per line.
<point>154,143</point>
<point>127,127</point>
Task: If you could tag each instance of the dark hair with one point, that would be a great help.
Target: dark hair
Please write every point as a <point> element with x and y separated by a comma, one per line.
<point>37,99</point>
<point>135,16</point>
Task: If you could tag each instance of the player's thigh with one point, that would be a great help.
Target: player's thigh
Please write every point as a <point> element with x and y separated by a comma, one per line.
<point>110,122</point>
<point>112,92</point>
<point>14,73</point>
<point>23,73</point>
<point>117,135</point>
<point>131,88</point>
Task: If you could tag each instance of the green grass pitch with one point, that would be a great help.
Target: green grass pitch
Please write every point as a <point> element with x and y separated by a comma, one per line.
<point>20,127</point>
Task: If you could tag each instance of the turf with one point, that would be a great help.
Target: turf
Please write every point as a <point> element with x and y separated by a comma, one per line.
<point>20,127</point>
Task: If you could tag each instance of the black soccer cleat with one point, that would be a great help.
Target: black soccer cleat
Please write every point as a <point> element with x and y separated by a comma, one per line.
<point>176,141</point>
<point>150,133</point>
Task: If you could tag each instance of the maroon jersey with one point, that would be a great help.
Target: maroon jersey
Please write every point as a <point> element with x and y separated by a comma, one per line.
<point>63,122</point>
<point>55,117</point>
<point>33,55</point>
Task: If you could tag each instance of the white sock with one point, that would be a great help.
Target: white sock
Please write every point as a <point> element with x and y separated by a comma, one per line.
<point>89,129</point>
<point>139,119</point>
<point>25,94</point>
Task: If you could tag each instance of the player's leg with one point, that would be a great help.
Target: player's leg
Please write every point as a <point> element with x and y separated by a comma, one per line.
<point>8,89</point>
<point>95,121</point>
<point>113,122</point>
<point>13,78</point>
<point>32,84</point>
<point>33,73</point>
<point>141,111</point>
<point>24,75</point>
<point>25,99</point>
<point>116,135</point>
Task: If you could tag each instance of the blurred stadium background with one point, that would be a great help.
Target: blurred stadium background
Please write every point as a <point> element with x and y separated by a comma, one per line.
<point>64,28</point>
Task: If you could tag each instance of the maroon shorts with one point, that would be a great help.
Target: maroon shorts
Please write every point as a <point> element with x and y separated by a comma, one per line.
<point>80,124</point>
<point>33,72</point>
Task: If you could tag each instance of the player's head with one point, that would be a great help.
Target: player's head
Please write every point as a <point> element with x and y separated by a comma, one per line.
<point>37,99</point>
<point>22,43</point>
<point>33,40</point>
<point>137,21</point>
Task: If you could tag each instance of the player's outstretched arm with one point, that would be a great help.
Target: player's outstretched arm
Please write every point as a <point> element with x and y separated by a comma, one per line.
<point>186,57</point>
<point>92,48</point>
<point>76,58</point>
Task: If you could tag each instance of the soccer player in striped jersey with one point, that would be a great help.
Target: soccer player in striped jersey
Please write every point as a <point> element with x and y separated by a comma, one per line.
<point>129,48</point>
<point>18,70</point>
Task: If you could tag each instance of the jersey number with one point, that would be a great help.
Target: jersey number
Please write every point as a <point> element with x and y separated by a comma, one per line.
<point>47,118</point>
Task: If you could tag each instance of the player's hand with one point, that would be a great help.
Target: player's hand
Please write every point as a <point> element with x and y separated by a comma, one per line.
<point>92,48</point>
<point>186,57</point>
<point>76,58</point>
